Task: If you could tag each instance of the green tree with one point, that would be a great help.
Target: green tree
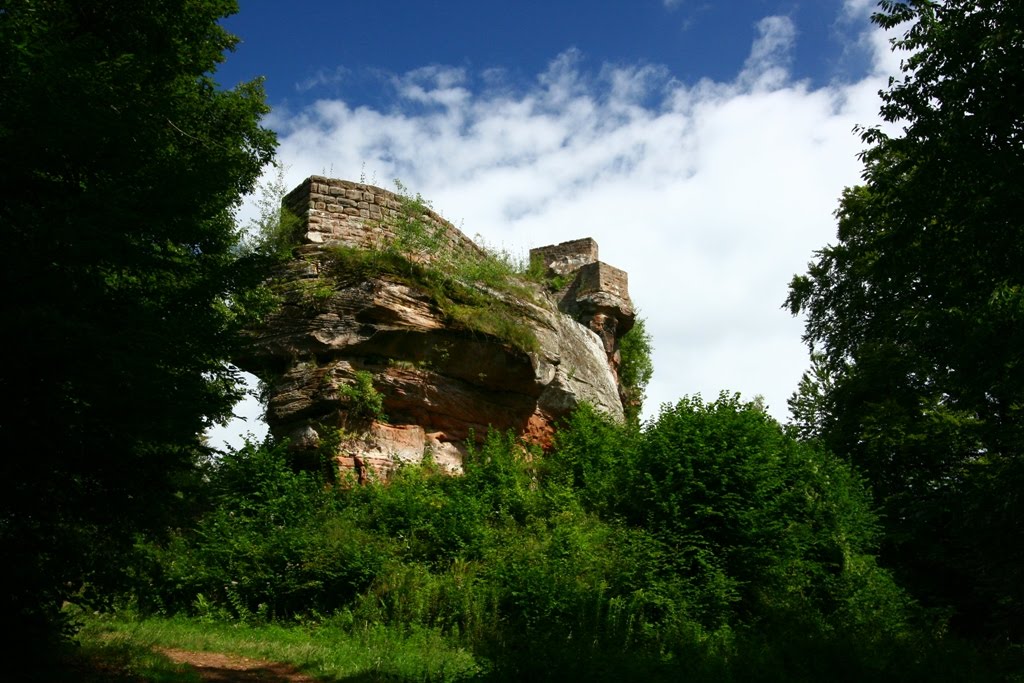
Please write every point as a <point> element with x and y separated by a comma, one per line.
<point>768,529</point>
<point>275,230</point>
<point>916,314</point>
<point>594,457</point>
<point>635,369</point>
<point>121,163</point>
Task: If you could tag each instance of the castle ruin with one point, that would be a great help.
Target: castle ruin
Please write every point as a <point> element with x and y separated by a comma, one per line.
<point>439,379</point>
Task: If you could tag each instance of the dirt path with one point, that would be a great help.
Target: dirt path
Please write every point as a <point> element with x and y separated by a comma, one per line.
<point>218,668</point>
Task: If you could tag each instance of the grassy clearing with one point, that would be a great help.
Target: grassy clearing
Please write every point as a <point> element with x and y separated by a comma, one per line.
<point>329,651</point>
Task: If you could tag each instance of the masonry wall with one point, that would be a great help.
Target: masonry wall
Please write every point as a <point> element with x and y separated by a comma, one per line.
<point>360,215</point>
<point>356,214</point>
<point>600,277</point>
<point>566,257</point>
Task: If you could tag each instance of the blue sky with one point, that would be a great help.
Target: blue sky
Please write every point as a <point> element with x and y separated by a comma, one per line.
<point>309,49</point>
<point>704,145</point>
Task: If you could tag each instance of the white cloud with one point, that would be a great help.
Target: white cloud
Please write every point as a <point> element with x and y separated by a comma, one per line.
<point>711,195</point>
<point>323,77</point>
<point>767,65</point>
<point>433,85</point>
<point>859,8</point>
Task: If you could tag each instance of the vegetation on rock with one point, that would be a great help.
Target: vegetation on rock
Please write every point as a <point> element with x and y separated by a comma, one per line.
<point>274,231</point>
<point>635,368</point>
<point>365,402</point>
<point>462,301</point>
<point>479,288</point>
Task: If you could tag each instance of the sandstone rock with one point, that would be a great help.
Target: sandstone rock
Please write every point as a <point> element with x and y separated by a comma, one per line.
<point>442,377</point>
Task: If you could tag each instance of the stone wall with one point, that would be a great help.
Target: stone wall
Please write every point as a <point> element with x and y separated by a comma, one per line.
<point>594,293</point>
<point>600,277</point>
<point>566,257</point>
<point>359,215</point>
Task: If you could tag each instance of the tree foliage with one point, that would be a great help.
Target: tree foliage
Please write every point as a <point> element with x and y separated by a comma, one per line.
<point>780,527</point>
<point>916,314</point>
<point>274,231</point>
<point>121,163</point>
<point>635,368</point>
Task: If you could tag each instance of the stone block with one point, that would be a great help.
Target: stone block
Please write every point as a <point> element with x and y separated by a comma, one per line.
<point>601,277</point>
<point>566,257</point>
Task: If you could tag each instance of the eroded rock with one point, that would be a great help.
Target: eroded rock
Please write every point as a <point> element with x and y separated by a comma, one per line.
<point>443,371</point>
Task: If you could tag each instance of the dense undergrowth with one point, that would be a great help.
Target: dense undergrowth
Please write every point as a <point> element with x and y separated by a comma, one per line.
<point>707,546</point>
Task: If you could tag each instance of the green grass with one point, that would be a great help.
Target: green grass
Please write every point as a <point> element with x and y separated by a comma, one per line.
<point>330,651</point>
<point>101,655</point>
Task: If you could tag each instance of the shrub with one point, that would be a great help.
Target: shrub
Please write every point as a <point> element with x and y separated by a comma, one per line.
<point>595,458</point>
<point>635,368</point>
<point>708,546</point>
<point>364,401</point>
<point>784,528</point>
<point>275,543</point>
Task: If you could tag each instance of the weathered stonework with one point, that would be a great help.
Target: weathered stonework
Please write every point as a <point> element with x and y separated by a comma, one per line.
<point>567,257</point>
<point>336,211</point>
<point>596,294</point>
<point>440,381</point>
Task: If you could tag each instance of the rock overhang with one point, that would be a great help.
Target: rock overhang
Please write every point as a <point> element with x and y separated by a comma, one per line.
<point>439,379</point>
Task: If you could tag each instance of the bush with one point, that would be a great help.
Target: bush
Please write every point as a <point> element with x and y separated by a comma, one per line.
<point>782,530</point>
<point>635,368</point>
<point>595,458</point>
<point>276,543</point>
<point>364,401</point>
<point>710,547</point>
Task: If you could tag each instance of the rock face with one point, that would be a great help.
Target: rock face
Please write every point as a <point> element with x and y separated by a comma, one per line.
<point>354,334</point>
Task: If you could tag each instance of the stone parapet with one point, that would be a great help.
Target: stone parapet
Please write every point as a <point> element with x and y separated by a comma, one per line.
<point>567,257</point>
<point>600,277</point>
<point>593,292</point>
<point>334,211</point>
